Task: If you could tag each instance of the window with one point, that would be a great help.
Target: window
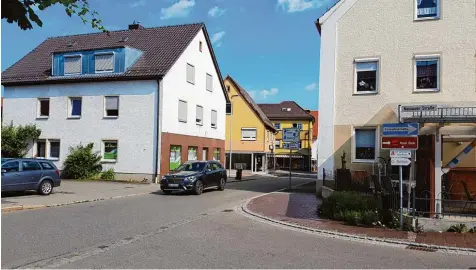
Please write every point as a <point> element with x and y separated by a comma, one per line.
<point>175,157</point>
<point>285,109</point>
<point>214,119</point>
<point>112,106</point>
<point>104,62</point>
<point>54,149</point>
<point>199,118</point>
<point>72,65</point>
<point>427,73</point>
<point>277,144</point>
<point>218,166</point>
<point>205,153</point>
<point>30,166</point>
<point>110,150</point>
<point>192,153</point>
<point>46,166</point>
<point>366,77</point>
<point>248,134</point>
<point>214,166</point>
<point>75,105</point>
<point>277,126</point>
<point>190,74</point>
<point>41,149</point>
<point>12,166</point>
<point>297,125</point>
<point>200,46</point>
<point>365,145</point>
<point>427,9</point>
<point>228,108</point>
<point>182,111</point>
<point>209,82</point>
<point>43,107</point>
<point>216,154</point>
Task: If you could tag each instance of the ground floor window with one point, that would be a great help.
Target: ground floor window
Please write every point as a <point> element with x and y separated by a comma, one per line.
<point>110,150</point>
<point>175,157</point>
<point>54,149</point>
<point>192,153</point>
<point>41,149</point>
<point>47,148</point>
<point>216,154</point>
<point>365,144</point>
<point>205,154</point>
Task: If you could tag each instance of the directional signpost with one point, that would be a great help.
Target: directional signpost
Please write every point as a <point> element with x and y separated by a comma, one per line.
<point>291,141</point>
<point>401,138</point>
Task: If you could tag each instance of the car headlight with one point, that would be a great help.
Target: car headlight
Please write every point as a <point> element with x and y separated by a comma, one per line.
<point>189,179</point>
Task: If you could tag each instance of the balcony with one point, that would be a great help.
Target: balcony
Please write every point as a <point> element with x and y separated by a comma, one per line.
<point>441,115</point>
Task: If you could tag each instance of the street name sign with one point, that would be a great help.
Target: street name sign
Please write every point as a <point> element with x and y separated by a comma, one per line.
<point>418,108</point>
<point>400,153</point>
<point>400,162</point>
<point>293,146</point>
<point>291,135</point>
<point>400,129</point>
<point>410,143</point>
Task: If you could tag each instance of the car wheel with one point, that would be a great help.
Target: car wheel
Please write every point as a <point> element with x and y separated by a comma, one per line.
<point>198,187</point>
<point>222,184</point>
<point>167,192</point>
<point>46,187</point>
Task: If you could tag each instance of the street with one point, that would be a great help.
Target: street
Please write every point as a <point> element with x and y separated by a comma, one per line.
<point>187,231</point>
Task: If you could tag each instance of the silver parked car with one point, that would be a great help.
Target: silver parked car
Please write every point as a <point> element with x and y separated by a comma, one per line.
<point>21,174</point>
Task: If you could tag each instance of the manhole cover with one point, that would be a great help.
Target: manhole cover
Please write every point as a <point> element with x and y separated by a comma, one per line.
<point>228,210</point>
<point>427,249</point>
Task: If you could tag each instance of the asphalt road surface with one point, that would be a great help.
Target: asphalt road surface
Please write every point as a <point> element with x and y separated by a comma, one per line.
<point>187,231</point>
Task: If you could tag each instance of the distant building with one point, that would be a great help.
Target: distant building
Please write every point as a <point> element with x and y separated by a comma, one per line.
<point>315,133</point>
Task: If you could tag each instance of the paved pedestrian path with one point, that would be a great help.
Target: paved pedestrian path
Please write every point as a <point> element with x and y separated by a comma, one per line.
<point>301,209</point>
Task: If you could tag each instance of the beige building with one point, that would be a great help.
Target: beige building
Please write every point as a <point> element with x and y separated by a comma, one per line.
<point>377,55</point>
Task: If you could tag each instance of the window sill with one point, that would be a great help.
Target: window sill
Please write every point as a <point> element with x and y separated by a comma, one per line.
<point>42,117</point>
<point>416,91</point>
<point>365,93</point>
<point>252,140</point>
<point>110,117</point>
<point>108,161</point>
<point>102,72</point>
<point>423,19</point>
<point>53,159</point>
<point>365,161</point>
<point>199,124</point>
<point>191,82</point>
<point>182,121</point>
<point>214,127</point>
<point>209,90</point>
<point>74,117</point>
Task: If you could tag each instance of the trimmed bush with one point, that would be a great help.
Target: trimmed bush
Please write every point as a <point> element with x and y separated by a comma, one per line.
<point>108,175</point>
<point>82,163</point>
<point>343,201</point>
<point>352,217</point>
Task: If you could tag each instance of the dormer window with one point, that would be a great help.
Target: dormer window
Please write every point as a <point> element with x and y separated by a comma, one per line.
<point>72,64</point>
<point>104,62</point>
<point>427,9</point>
<point>285,109</point>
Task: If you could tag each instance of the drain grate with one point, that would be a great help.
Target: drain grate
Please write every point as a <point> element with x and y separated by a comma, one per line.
<point>427,249</point>
<point>228,210</point>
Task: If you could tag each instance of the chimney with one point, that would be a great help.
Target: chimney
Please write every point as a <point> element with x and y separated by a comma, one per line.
<point>135,25</point>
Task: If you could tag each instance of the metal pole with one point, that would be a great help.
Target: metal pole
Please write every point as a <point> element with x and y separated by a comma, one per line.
<point>231,134</point>
<point>400,168</point>
<point>290,152</point>
<point>410,179</point>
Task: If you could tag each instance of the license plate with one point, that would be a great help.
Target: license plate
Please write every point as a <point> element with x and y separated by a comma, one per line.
<point>173,185</point>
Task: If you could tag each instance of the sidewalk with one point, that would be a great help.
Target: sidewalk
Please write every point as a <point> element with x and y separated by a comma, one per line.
<point>301,209</point>
<point>71,192</point>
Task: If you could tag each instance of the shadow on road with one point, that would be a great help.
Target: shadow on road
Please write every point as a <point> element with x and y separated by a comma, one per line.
<point>303,202</point>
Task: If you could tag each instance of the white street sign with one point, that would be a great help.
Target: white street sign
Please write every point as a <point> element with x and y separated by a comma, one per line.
<point>400,153</point>
<point>418,108</point>
<point>400,162</point>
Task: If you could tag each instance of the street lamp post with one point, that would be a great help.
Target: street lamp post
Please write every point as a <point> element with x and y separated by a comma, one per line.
<point>231,133</point>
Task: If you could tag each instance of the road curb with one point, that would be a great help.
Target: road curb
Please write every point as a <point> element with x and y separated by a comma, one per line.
<point>15,208</point>
<point>353,237</point>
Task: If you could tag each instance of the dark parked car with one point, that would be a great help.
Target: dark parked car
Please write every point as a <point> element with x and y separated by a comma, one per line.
<point>194,176</point>
<point>21,174</point>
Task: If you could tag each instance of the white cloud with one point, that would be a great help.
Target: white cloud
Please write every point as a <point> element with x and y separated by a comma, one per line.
<point>217,37</point>
<point>311,87</point>
<point>216,11</point>
<point>180,9</point>
<point>140,3</point>
<point>300,5</point>
<point>267,93</point>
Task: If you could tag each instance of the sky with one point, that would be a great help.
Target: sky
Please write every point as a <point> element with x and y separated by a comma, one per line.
<point>270,47</point>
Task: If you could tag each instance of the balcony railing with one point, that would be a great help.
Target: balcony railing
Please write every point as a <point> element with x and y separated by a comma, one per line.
<point>442,115</point>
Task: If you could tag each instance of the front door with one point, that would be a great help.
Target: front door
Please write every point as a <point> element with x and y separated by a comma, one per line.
<point>205,154</point>
<point>11,179</point>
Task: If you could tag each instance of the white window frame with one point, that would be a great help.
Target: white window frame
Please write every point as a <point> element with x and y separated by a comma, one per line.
<point>377,145</point>
<point>186,73</point>
<point>113,62</point>
<point>80,64</point>
<point>427,57</point>
<point>377,78</point>
<point>199,123</point>
<point>250,138</point>
<point>70,107</point>
<point>118,107</point>
<point>38,108</point>
<point>186,111</point>
<point>438,12</point>
<point>277,144</point>
<point>211,82</point>
<point>103,150</point>
<point>48,148</point>
<point>47,143</point>
<point>276,127</point>
<point>213,125</point>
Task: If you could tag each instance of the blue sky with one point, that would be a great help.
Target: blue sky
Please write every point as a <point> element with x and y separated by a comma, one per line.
<point>271,47</point>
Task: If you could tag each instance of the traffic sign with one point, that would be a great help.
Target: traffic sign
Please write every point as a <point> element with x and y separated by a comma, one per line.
<point>400,153</point>
<point>400,162</point>
<point>400,129</point>
<point>418,108</point>
<point>291,135</point>
<point>410,143</point>
<point>294,146</point>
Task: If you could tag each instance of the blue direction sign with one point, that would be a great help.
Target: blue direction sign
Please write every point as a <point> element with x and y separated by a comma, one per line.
<point>291,135</point>
<point>400,129</point>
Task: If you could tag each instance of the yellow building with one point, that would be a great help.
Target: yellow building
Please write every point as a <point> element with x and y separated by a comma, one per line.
<point>249,133</point>
<point>288,114</point>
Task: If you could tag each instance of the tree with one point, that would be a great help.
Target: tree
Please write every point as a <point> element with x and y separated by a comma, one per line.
<point>15,140</point>
<point>23,12</point>
<point>82,162</point>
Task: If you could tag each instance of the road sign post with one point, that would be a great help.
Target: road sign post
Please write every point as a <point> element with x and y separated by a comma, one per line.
<point>291,140</point>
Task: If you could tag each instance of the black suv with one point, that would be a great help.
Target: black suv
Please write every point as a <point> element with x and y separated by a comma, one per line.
<point>194,176</point>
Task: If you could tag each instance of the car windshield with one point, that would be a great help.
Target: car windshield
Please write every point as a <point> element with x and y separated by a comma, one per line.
<point>191,167</point>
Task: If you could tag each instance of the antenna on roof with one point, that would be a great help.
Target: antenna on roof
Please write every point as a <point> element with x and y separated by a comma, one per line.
<point>71,43</point>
